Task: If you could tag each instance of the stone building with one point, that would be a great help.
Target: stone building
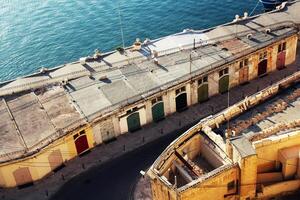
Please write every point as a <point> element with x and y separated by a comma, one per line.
<point>240,153</point>
<point>52,116</point>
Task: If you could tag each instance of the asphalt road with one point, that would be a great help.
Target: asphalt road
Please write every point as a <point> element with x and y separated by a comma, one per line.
<point>114,180</point>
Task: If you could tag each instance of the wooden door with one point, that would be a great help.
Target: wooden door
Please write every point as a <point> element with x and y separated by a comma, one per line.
<point>202,92</point>
<point>107,130</point>
<point>224,84</point>
<point>133,122</point>
<point>22,176</point>
<point>181,102</point>
<point>81,144</point>
<point>55,159</point>
<point>158,112</point>
<point>244,75</point>
<point>280,64</point>
<point>262,67</point>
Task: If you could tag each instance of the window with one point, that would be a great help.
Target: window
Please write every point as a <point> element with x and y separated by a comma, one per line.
<point>231,186</point>
<point>223,72</point>
<point>180,90</point>
<point>131,110</point>
<point>82,132</point>
<point>263,56</point>
<point>244,63</point>
<point>203,80</point>
<point>157,99</point>
<point>282,47</point>
<point>76,136</point>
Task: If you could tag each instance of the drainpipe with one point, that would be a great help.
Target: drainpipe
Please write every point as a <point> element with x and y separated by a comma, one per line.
<point>298,168</point>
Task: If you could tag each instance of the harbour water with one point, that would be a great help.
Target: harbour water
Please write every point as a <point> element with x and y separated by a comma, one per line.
<point>35,33</point>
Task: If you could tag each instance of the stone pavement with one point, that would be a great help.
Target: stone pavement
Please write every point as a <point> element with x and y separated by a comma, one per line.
<point>128,142</point>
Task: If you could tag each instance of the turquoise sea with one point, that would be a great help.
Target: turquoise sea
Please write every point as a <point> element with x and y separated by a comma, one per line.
<point>47,33</point>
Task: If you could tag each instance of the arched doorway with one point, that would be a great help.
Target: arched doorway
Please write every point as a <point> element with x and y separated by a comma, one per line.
<point>81,142</point>
<point>181,102</point>
<point>223,83</point>
<point>23,177</point>
<point>107,131</point>
<point>55,160</point>
<point>281,53</point>
<point>280,64</point>
<point>133,122</point>
<point>202,92</point>
<point>244,71</point>
<point>158,112</point>
<point>262,67</point>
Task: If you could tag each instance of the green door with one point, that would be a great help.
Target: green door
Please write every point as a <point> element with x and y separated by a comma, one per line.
<point>181,102</point>
<point>158,112</point>
<point>133,122</point>
<point>202,93</point>
<point>224,84</point>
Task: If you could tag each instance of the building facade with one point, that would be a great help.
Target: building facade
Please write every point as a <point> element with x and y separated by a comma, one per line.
<point>57,116</point>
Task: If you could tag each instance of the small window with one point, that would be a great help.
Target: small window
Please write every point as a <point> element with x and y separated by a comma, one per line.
<point>180,90</point>
<point>131,110</point>
<point>263,56</point>
<point>203,80</point>
<point>244,63</point>
<point>158,99</point>
<point>223,72</point>
<point>231,186</point>
<point>75,136</point>
<point>82,132</point>
<point>226,71</point>
<point>241,64</point>
<point>282,47</point>
<point>220,73</point>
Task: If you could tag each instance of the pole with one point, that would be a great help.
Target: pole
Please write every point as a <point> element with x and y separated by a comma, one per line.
<point>191,65</point>
<point>121,25</point>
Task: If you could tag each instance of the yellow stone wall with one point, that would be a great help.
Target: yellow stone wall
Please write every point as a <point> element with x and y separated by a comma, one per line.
<point>160,192</point>
<point>291,49</point>
<point>38,164</point>
<point>267,151</point>
<point>248,172</point>
<point>212,188</point>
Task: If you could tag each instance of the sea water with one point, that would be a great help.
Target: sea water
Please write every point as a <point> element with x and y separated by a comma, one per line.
<point>48,33</point>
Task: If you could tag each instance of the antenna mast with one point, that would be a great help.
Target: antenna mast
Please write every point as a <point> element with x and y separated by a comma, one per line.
<point>121,25</point>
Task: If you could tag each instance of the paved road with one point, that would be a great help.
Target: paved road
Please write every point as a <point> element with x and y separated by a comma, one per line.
<point>115,179</point>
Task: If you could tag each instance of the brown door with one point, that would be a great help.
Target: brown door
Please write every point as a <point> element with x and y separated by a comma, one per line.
<point>81,144</point>
<point>280,60</point>
<point>22,176</point>
<point>243,75</point>
<point>262,67</point>
<point>55,159</point>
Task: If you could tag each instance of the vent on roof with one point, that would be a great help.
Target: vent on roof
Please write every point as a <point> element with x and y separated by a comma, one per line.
<point>237,18</point>
<point>97,54</point>
<point>102,78</point>
<point>147,40</point>
<point>83,60</point>
<point>249,36</point>
<point>64,82</point>
<point>43,70</point>
<point>268,31</point>
<point>224,49</point>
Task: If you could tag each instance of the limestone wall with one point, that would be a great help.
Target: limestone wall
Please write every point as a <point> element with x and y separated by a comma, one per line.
<point>38,164</point>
